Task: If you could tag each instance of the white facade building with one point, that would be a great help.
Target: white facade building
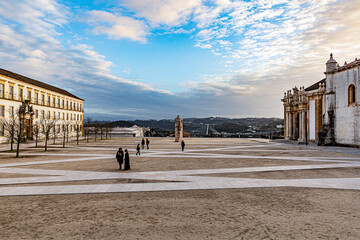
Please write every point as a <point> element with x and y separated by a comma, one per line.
<point>328,112</point>
<point>46,101</point>
<point>134,131</point>
<point>341,109</point>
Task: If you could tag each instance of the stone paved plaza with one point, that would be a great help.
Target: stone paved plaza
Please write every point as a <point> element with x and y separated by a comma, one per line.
<point>216,188</point>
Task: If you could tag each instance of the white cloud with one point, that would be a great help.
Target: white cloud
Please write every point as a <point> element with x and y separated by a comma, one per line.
<point>29,53</point>
<point>117,26</point>
<point>201,45</point>
<point>163,12</point>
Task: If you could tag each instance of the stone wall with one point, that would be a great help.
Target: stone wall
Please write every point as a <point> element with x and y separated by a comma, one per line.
<point>347,117</point>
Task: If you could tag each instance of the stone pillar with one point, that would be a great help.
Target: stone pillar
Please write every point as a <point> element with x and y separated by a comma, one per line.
<point>303,127</point>
<point>179,131</point>
<point>294,130</point>
<point>290,125</point>
<point>287,125</point>
<point>300,126</point>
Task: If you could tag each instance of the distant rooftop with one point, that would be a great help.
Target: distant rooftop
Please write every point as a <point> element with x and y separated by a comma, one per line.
<point>315,86</point>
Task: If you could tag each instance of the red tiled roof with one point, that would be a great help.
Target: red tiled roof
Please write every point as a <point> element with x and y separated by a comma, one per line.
<point>35,82</point>
<point>315,86</point>
<point>347,66</point>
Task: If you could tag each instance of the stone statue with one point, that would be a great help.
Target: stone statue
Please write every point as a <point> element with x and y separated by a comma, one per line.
<point>179,131</point>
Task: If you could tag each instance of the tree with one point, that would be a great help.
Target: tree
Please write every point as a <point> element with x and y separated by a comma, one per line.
<point>101,129</point>
<point>78,130</point>
<point>9,125</point>
<point>65,131</point>
<point>87,128</point>
<point>108,129</point>
<point>95,128</point>
<point>54,131</point>
<point>46,126</point>
<point>19,127</point>
<point>36,131</point>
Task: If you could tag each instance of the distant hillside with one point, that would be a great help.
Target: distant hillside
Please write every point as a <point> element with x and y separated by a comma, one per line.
<point>235,125</point>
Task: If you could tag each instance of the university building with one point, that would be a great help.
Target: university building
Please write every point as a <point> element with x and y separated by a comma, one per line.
<point>41,101</point>
<point>328,112</point>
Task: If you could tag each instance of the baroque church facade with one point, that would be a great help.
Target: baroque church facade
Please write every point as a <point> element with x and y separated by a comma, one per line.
<point>327,112</point>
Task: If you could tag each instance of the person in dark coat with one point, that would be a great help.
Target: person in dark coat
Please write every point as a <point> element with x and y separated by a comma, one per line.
<point>138,149</point>
<point>127,161</point>
<point>182,145</point>
<point>120,157</point>
<point>142,143</point>
<point>147,143</point>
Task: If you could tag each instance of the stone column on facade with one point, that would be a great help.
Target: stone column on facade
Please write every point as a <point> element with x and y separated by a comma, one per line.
<point>290,125</point>
<point>304,127</point>
<point>178,129</point>
<point>300,126</point>
<point>294,126</point>
<point>287,125</point>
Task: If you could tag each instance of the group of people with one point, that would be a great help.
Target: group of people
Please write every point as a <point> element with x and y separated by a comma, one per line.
<point>120,159</point>
<point>142,145</point>
<point>120,153</point>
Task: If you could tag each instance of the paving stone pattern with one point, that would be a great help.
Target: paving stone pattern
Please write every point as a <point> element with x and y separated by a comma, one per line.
<point>174,180</point>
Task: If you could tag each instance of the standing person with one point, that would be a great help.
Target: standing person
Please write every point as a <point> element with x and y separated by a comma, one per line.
<point>182,145</point>
<point>147,143</point>
<point>127,161</point>
<point>120,157</point>
<point>138,149</point>
<point>142,143</point>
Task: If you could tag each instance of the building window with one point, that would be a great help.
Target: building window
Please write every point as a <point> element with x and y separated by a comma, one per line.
<point>2,87</point>
<point>21,94</point>
<point>36,113</point>
<point>48,103</point>
<point>53,103</point>
<point>29,95</point>
<point>352,95</point>
<point>63,116</point>
<point>36,98</point>
<point>11,92</point>
<point>11,111</point>
<point>48,115</point>
<point>42,99</point>
<point>2,111</point>
<point>42,114</point>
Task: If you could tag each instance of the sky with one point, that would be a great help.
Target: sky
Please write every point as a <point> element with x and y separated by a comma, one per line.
<point>156,59</point>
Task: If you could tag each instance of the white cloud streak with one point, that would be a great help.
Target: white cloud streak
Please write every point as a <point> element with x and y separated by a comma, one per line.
<point>117,26</point>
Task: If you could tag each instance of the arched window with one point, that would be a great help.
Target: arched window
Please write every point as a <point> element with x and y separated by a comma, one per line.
<point>351,94</point>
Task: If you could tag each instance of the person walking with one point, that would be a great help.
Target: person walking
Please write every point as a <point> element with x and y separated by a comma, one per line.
<point>182,145</point>
<point>147,143</point>
<point>138,149</point>
<point>142,143</point>
<point>120,157</point>
<point>127,161</point>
